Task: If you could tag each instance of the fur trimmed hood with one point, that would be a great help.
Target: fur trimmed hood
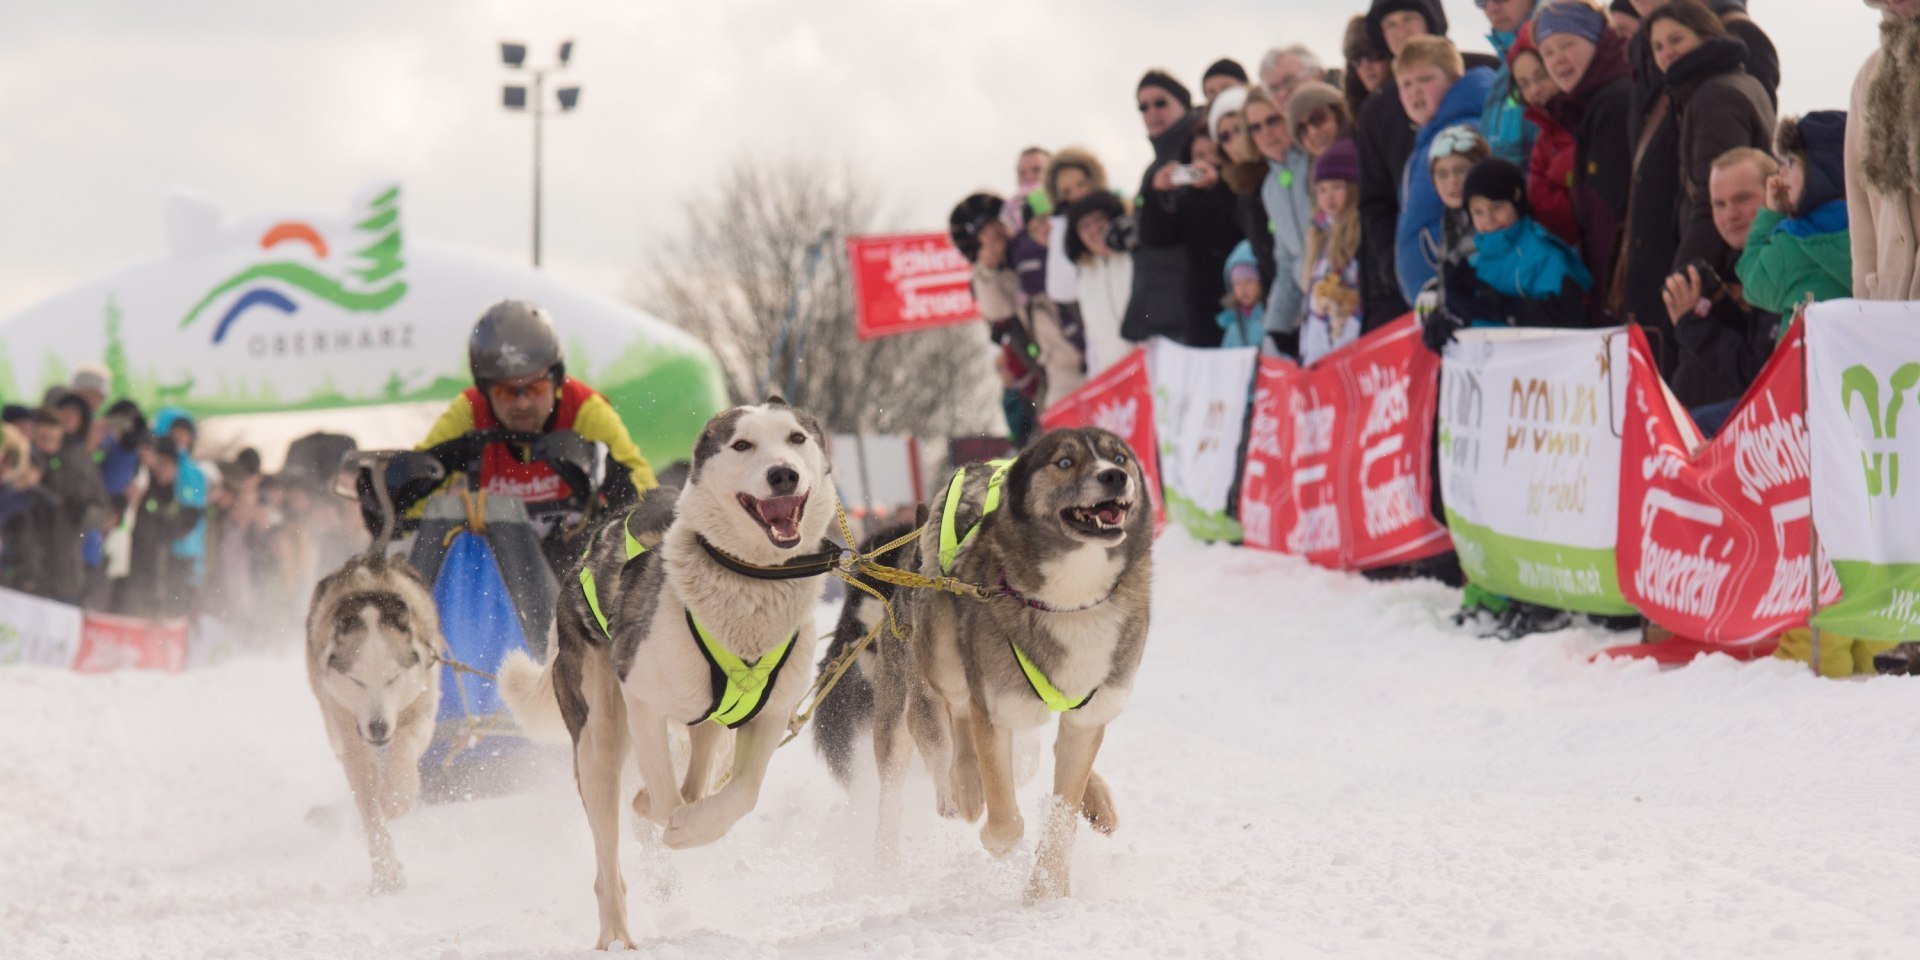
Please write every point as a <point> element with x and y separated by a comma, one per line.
<point>1074,157</point>
<point>1891,153</point>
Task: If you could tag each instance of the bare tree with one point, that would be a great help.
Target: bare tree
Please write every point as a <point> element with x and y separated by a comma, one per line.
<point>761,275</point>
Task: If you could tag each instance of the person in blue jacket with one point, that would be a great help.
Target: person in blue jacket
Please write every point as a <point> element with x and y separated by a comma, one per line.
<point>1438,92</point>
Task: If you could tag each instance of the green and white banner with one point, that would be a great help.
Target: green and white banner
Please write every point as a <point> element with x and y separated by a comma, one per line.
<point>310,311</point>
<point>1530,462</point>
<point>1200,400</point>
<point>1863,387</point>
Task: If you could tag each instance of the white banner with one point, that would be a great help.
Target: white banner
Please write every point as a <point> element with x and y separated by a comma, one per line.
<point>37,631</point>
<point>1530,462</point>
<point>1200,399</point>
<point>1863,385</point>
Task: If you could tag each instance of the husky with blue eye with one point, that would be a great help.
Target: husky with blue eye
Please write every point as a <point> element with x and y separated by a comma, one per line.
<point>1062,541</point>
<point>373,652</point>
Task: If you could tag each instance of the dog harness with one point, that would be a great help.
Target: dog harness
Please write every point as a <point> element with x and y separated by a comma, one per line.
<point>951,540</point>
<point>739,688</point>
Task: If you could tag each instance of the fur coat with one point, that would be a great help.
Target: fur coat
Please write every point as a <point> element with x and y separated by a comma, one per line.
<point>1883,167</point>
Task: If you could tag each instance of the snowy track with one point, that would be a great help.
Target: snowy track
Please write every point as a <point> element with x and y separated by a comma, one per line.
<point>1311,767</point>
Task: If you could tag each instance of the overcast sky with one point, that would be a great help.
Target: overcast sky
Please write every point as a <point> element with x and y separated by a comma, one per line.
<point>107,104</point>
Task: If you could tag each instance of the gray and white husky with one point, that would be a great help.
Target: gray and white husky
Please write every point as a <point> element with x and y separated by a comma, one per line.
<point>1067,555</point>
<point>758,497</point>
<point>373,651</point>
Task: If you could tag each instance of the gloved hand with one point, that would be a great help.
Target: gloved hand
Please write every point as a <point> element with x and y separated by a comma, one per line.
<point>1439,327</point>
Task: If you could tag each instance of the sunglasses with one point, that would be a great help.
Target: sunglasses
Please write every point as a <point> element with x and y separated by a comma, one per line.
<point>1226,135</point>
<point>540,389</point>
<point>1160,104</point>
<point>1316,118</point>
<point>1274,123</point>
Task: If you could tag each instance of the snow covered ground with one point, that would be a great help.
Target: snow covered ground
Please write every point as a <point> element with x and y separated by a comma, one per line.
<point>1313,766</point>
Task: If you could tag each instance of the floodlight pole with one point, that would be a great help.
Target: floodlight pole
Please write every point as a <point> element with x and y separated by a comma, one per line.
<point>539,111</point>
<point>514,56</point>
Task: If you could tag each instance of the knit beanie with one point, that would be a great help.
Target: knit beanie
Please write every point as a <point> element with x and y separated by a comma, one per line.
<point>1225,67</point>
<point>1340,162</point>
<point>1165,81</point>
<point>1817,142</point>
<point>1229,101</point>
<point>1309,97</point>
<point>1497,179</point>
<point>1575,18</point>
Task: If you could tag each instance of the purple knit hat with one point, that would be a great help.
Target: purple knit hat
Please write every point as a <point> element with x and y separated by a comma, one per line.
<point>1340,162</point>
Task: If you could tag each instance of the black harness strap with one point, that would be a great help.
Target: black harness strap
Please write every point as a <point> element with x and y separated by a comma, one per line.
<point>799,568</point>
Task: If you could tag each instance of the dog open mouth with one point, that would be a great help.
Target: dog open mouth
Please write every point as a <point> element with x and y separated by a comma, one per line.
<point>1102,520</point>
<point>779,516</point>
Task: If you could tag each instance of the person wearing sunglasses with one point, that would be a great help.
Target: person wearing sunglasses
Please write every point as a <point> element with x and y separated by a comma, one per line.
<point>520,391</point>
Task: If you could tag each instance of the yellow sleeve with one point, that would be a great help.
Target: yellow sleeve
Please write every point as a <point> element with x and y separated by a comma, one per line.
<point>457,421</point>
<point>597,421</point>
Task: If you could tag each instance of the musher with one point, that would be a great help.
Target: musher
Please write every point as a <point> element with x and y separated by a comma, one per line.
<point>521,391</point>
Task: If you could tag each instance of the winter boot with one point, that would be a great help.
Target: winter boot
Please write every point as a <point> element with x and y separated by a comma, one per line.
<point>1524,619</point>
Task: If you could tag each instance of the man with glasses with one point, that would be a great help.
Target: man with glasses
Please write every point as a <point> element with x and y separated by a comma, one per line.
<point>521,390</point>
<point>1284,69</point>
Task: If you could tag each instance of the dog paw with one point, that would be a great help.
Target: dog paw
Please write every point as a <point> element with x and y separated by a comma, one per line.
<point>388,880</point>
<point>609,939</point>
<point>1097,806</point>
<point>1046,883</point>
<point>696,825</point>
<point>1000,837</point>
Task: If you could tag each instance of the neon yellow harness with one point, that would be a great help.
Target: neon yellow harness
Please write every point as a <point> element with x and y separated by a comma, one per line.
<point>951,540</point>
<point>739,688</point>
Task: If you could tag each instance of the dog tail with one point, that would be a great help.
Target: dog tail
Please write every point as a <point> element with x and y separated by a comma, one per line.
<point>843,719</point>
<point>847,712</point>
<point>527,687</point>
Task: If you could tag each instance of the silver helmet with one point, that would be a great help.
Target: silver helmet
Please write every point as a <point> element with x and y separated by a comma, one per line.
<point>513,340</point>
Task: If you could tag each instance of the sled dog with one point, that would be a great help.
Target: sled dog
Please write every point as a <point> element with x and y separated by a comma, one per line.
<point>373,652</point>
<point>693,610</point>
<point>1061,539</point>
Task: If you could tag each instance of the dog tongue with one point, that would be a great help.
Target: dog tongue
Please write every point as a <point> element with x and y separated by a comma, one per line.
<point>782,515</point>
<point>1110,513</point>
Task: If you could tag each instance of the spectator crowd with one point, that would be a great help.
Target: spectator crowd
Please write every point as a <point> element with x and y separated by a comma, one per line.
<point>1610,164</point>
<point>103,508</point>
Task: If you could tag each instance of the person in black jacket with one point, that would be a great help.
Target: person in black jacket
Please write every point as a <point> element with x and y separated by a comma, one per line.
<point>157,583</point>
<point>1186,225</point>
<point>1651,238</point>
<point>1724,341</point>
<point>1158,303</point>
<point>1385,137</point>
<point>70,479</point>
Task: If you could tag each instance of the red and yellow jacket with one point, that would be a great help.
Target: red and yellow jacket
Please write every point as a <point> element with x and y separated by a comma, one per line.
<point>579,408</point>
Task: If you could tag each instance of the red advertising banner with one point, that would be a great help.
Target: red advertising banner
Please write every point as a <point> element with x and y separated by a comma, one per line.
<point>109,643</point>
<point>906,283</point>
<point>1339,456</point>
<point>1713,543</point>
<point>1120,399</point>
